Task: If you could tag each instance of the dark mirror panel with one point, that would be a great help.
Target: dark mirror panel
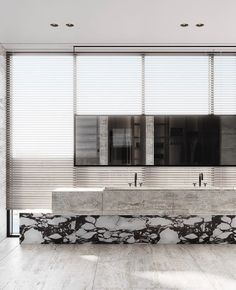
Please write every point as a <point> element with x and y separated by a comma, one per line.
<point>228,140</point>
<point>110,140</point>
<point>87,140</point>
<point>155,140</point>
<point>126,140</point>
<point>186,140</point>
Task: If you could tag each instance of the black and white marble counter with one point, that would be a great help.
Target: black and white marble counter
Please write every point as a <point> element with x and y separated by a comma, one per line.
<point>130,229</point>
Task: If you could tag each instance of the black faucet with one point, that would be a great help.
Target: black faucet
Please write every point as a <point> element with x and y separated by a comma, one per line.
<point>200,179</point>
<point>135,179</point>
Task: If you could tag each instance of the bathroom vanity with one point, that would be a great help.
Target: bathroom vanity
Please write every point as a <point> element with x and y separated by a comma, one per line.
<point>134,215</point>
<point>141,214</point>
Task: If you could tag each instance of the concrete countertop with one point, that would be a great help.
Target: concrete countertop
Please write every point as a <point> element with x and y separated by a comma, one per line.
<point>144,201</point>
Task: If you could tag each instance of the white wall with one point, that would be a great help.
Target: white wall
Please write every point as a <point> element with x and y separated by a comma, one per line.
<point>2,144</point>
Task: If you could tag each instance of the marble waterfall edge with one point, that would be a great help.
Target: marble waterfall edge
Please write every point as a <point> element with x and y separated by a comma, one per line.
<point>130,229</point>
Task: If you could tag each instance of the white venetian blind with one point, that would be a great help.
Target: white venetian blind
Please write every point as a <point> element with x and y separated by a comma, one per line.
<point>176,85</point>
<point>40,149</point>
<point>41,120</point>
<point>109,84</point>
<point>225,85</point>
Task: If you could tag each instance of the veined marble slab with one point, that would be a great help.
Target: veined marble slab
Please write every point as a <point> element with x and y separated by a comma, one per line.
<point>144,201</point>
<point>77,201</point>
<point>64,229</point>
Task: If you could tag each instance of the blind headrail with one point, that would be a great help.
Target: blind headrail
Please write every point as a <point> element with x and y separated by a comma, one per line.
<point>163,49</point>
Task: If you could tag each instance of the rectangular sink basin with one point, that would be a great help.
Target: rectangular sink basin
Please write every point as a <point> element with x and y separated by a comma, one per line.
<point>166,188</point>
<point>75,189</point>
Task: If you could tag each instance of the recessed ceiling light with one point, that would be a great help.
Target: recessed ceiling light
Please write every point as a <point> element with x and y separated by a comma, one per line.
<point>54,25</point>
<point>184,24</point>
<point>200,24</point>
<point>69,24</point>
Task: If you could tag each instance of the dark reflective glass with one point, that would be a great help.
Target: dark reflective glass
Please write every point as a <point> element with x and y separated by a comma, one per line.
<point>110,140</point>
<point>126,140</point>
<point>162,140</point>
<point>186,140</point>
<point>228,140</point>
<point>87,140</point>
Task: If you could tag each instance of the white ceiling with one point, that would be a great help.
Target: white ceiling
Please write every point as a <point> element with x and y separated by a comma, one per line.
<point>24,24</point>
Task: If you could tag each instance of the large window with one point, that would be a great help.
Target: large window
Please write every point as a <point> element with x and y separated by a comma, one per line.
<point>41,128</point>
<point>46,90</point>
<point>109,85</point>
<point>191,84</point>
<point>225,85</point>
<point>176,85</point>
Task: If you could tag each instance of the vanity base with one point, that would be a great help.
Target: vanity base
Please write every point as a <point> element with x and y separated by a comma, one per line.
<point>126,229</point>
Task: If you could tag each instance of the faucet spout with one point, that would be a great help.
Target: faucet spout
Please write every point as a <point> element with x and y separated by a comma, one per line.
<point>200,179</point>
<point>135,179</point>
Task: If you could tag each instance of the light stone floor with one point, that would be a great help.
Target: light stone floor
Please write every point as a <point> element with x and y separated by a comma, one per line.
<point>113,267</point>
